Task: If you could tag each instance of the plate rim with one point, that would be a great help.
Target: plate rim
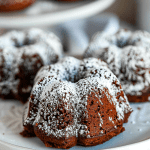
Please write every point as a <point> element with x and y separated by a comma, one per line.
<point>56,17</point>
<point>129,146</point>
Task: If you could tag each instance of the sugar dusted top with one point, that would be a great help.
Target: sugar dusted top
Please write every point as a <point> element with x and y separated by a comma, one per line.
<point>32,49</point>
<point>127,55</point>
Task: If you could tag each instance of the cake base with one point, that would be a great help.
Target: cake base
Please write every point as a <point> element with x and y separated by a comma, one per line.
<point>137,99</point>
<point>28,131</point>
<point>72,141</point>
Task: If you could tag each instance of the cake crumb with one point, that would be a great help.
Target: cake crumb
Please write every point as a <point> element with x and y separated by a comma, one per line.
<point>139,108</point>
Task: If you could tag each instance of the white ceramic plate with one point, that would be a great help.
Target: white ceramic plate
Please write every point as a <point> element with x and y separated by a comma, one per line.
<point>45,13</point>
<point>136,135</point>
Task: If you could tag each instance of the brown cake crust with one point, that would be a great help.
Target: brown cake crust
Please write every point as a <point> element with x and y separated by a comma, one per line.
<point>14,5</point>
<point>101,139</point>
<point>91,122</point>
<point>143,98</point>
<point>28,131</point>
<point>51,141</point>
<point>67,143</point>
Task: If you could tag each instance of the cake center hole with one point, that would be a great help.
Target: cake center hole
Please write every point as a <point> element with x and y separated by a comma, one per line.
<point>25,43</point>
<point>122,44</point>
<point>73,79</point>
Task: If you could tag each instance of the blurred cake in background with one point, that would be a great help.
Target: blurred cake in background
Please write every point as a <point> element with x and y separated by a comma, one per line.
<point>14,5</point>
<point>128,56</point>
<point>22,53</point>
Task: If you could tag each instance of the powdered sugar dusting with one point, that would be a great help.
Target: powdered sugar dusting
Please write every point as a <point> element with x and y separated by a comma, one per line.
<point>127,55</point>
<point>16,47</point>
<point>62,94</point>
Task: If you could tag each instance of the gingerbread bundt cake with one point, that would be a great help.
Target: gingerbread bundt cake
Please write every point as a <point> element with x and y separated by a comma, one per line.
<point>22,53</point>
<point>76,102</point>
<point>128,57</point>
<point>13,5</point>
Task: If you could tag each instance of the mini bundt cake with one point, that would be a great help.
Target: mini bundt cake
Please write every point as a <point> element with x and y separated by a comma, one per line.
<point>22,53</point>
<point>76,102</point>
<point>13,5</point>
<point>128,57</point>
